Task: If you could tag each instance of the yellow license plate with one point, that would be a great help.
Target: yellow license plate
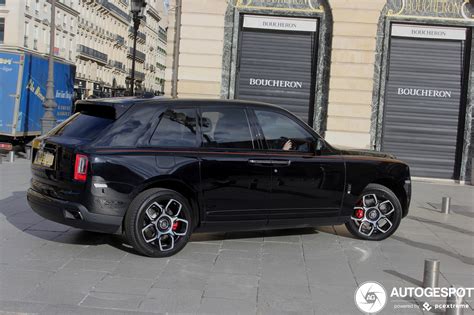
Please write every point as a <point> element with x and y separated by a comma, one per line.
<point>44,159</point>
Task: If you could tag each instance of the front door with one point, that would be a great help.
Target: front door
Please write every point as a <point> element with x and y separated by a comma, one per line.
<point>235,182</point>
<point>307,178</point>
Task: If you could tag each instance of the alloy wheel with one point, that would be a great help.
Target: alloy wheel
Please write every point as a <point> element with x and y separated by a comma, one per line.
<point>373,215</point>
<point>164,224</point>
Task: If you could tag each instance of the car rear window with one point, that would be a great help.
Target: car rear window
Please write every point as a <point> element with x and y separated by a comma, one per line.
<point>82,126</point>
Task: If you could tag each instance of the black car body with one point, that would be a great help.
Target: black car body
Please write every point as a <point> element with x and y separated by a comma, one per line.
<point>224,157</point>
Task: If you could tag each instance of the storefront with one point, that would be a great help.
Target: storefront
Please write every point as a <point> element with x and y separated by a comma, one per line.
<point>275,53</point>
<point>277,62</point>
<point>80,89</point>
<point>423,110</point>
<point>97,91</point>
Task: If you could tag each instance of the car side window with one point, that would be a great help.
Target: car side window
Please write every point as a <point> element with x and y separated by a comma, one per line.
<point>283,133</point>
<point>176,128</point>
<point>227,128</point>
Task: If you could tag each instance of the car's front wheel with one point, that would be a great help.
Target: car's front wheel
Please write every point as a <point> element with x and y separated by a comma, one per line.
<point>158,222</point>
<point>377,214</point>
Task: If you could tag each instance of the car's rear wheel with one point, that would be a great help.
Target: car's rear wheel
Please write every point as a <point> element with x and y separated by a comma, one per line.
<point>158,222</point>
<point>377,214</point>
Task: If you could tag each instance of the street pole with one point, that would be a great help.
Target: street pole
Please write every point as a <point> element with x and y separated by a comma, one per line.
<point>177,36</point>
<point>136,25</point>
<point>48,121</point>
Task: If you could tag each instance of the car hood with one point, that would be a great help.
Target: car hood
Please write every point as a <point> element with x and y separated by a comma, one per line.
<point>370,153</point>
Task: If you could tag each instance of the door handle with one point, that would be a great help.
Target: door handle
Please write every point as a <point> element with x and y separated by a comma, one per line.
<point>261,162</point>
<point>281,162</point>
<point>270,162</point>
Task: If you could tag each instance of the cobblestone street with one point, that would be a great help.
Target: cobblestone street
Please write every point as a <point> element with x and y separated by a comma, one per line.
<point>51,268</point>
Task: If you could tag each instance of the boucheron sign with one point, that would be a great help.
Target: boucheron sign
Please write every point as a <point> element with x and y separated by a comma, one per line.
<point>276,83</point>
<point>428,31</point>
<point>425,92</point>
<point>446,9</point>
<point>280,23</point>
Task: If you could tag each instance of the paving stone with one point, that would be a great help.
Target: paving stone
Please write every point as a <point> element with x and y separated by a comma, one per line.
<point>49,226</point>
<point>37,264</point>
<point>61,309</point>
<point>17,284</point>
<point>172,300</point>
<point>56,251</point>
<point>20,307</point>
<point>112,300</point>
<point>144,270</point>
<point>184,274</point>
<point>242,266</point>
<point>91,264</point>
<point>56,295</point>
<point>197,247</point>
<point>123,285</point>
<point>340,273</point>
<point>65,287</point>
<point>241,287</point>
<point>226,306</point>
<point>105,252</point>
<point>324,302</point>
<point>287,249</point>
<point>205,258</point>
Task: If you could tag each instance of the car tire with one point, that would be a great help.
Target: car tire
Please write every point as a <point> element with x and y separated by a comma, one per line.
<point>377,218</point>
<point>158,222</point>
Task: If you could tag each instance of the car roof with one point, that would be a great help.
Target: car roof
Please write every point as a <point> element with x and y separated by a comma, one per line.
<point>162,100</point>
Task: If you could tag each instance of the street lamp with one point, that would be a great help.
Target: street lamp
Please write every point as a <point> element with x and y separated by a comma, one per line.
<point>48,120</point>
<point>138,12</point>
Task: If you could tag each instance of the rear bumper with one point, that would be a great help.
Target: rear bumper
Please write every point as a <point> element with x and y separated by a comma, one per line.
<point>72,214</point>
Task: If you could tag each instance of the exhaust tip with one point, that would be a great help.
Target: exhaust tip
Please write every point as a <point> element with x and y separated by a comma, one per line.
<point>72,214</point>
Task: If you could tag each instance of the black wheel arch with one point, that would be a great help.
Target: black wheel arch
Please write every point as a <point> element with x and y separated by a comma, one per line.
<point>398,189</point>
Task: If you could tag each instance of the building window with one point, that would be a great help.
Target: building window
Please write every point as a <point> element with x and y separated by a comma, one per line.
<point>35,40</point>
<point>2,2</point>
<point>37,7</point>
<point>27,31</point>
<point>2,29</point>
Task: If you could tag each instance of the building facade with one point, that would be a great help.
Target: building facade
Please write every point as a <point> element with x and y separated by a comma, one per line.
<point>96,36</point>
<point>25,25</point>
<point>392,75</point>
<point>105,48</point>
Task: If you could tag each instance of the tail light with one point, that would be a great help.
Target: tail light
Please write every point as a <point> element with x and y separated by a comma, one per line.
<point>6,146</point>
<point>80,167</point>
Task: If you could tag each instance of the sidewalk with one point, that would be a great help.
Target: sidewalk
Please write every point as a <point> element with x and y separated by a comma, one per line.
<point>50,268</point>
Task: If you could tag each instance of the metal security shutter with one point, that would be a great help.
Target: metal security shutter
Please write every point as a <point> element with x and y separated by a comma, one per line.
<point>423,100</point>
<point>280,58</point>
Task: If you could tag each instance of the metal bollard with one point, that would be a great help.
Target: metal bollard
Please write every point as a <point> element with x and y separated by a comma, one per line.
<point>446,205</point>
<point>11,156</point>
<point>454,299</point>
<point>431,273</point>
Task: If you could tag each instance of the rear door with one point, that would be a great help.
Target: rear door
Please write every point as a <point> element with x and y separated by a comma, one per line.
<point>307,178</point>
<point>235,179</point>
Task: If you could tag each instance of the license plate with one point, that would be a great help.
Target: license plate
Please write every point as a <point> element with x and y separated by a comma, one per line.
<point>44,158</point>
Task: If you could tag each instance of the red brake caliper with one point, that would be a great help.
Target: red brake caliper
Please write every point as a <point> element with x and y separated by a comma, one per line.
<point>175,226</point>
<point>359,213</point>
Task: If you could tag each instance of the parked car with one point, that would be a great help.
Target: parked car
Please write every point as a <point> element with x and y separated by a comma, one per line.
<point>158,170</point>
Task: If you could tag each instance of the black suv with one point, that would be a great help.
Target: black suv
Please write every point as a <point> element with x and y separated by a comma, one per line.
<point>158,169</point>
